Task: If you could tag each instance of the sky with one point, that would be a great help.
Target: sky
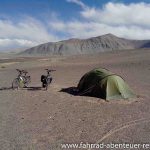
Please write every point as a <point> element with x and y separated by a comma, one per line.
<point>27,23</point>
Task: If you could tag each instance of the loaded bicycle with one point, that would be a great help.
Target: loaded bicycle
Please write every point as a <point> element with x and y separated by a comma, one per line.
<point>47,79</point>
<point>22,80</point>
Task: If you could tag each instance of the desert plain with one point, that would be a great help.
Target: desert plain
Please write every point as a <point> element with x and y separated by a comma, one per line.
<point>35,119</point>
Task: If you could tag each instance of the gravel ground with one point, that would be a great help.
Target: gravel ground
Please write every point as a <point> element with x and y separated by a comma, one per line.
<point>34,119</point>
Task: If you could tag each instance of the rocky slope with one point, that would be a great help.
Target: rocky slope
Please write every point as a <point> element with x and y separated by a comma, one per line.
<point>102,43</point>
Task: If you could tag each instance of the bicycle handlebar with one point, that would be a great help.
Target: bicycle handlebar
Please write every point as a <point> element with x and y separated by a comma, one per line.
<point>22,71</point>
<point>49,70</point>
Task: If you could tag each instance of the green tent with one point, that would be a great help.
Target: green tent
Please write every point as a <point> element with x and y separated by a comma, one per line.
<point>104,84</point>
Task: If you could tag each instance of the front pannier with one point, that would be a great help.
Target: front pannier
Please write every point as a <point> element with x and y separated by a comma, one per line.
<point>43,78</point>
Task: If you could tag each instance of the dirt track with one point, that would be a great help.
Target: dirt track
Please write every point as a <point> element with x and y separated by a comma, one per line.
<point>42,120</point>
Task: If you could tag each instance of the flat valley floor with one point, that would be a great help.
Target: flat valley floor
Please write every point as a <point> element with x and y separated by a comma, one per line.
<point>34,119</point>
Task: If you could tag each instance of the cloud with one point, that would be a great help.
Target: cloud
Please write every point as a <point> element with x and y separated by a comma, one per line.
<point>77,29</point>
<point>26,32</point>
<point>6,44</point>
<point>124,20</point>
<point>78,2</point>
<point>120,14</point>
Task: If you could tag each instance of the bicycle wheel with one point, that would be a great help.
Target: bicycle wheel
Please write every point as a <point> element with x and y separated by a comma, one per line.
<point>27,81</point>
<point>21,83</point>
<point>15,83</point>
<point>46,87</point>
<point>48,82</point>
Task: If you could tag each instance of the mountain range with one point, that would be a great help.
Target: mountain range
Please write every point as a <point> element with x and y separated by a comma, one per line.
<point>107,42</point>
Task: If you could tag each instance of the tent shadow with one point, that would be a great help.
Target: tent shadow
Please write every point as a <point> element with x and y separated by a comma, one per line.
<point>75,92</point>
<point>5,88</point>
<point>70,90</point>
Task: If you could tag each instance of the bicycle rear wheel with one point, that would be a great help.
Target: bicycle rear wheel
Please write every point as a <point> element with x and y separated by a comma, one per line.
<point>46,87</point>
<point>17,84</point>
<point>48,82</point>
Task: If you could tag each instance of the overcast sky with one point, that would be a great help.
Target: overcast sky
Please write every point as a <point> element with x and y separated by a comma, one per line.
<point>26,23</point>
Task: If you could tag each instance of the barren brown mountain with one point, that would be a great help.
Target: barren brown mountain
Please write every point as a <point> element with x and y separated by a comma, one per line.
<point>108,42</point>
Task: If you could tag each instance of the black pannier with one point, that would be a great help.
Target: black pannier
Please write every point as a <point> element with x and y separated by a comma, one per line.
<point>43,78</point>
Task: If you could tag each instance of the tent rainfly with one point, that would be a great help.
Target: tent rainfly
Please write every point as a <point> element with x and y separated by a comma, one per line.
<point>104,84</point>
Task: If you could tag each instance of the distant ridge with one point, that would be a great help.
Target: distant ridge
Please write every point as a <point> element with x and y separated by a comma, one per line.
<point>107,42</point>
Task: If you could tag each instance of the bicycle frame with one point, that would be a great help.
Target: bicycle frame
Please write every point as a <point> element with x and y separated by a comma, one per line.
<point>22,80</point>
<point>48,79</point>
